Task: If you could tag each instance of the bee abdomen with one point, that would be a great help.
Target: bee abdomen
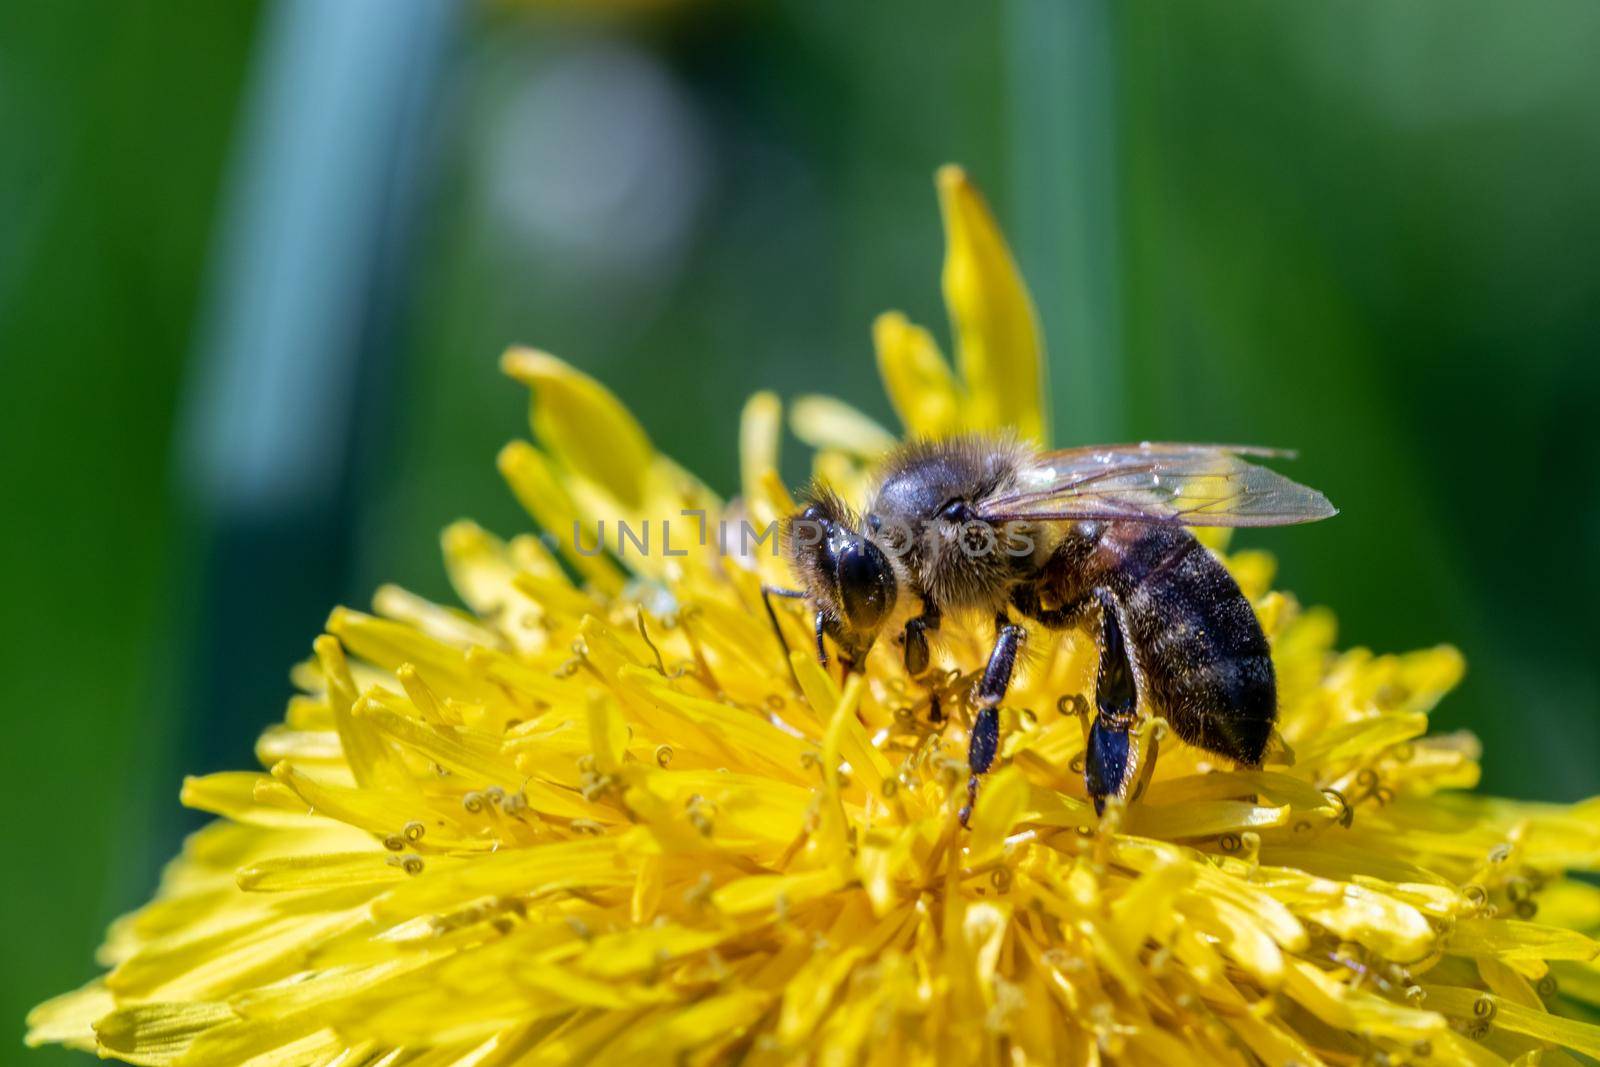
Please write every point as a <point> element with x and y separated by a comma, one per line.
<point>1206,662</point>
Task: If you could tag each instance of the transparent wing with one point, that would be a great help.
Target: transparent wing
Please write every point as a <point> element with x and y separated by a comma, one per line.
<point>1180,485</point>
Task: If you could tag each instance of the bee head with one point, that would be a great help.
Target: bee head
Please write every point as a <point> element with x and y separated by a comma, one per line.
<point>848,576</point>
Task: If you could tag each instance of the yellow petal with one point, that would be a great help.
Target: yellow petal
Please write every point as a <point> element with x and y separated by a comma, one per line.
<point>584,425</point>
<point>208,968</point>
<point>841,472</point>
<point>442,624</point>
<point>1501,1014</point>
<point>832,839</point>
<point>718,1019</point>
<point>1358,738</point>
<point>998,343</point>
<point>321,870</point>
<point>1348,1009</point>
<point>457,750</point>
<point>1271,1044</point>
<point>777,493</point>
<point>310,997</point>
<point>739,733</point>
<point>159,1033</point>
<point>762,892</point>
<point>608,733</point>
<point>760,433</point>
<point>1000,804</point>
<point>1579,981</point>
<point>1245,942</point>
<point>402,819</point>
<point>232,794</point>
<point>387,644</point>
<point>1392,927</point>
<point>639,951</point>
<point>810,993</point>
<point>824,422</point>
<point>484,576</point>
<point>287,1043</point>
<point>820,690</point>
<point>846,731</point>
<point>70,1017</point>
<point>370,758</point>
<point>541,492</point>
<point>1569,903</point>
<point>1511,939</point>
<point>920,384</point>
<point>1204,818</point>
<point>1147,904</point>
<point>1504,982</point>
<point>584,862</point>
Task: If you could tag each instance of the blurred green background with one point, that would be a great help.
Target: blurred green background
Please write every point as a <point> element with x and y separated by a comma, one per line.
<point>258,262</point>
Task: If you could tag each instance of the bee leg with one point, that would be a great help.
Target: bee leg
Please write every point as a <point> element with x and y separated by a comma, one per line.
<point>1111,759</point>
<point>1002,661</point>
<point>981,748</point>
<point>915,640</point>
<point>1105,764</point>
<point>1025,598</point>
<point>985,740</point>
<point>767,593</point>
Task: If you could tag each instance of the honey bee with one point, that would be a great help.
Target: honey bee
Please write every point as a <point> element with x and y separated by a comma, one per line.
<point>982,528</point>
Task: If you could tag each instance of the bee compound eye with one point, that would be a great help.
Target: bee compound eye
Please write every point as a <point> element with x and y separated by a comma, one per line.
<point>866,585</point>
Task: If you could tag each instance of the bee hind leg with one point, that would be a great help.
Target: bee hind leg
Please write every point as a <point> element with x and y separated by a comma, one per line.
<point>985,739</point>
<point>1112,761</point>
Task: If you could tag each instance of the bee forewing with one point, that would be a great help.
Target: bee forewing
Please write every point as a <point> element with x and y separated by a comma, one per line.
<point>1174,484</point>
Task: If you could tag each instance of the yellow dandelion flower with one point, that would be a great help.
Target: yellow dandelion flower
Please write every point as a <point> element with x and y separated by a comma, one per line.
<point>596,818</point>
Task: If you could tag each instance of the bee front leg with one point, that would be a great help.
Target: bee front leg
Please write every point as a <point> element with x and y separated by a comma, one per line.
<point>767,593</point>
<point>985,740</point>
<point>915,640</point>
<point>1112,760</point>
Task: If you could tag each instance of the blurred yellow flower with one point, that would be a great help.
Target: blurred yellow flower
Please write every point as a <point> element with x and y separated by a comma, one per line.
<point>599,820</point>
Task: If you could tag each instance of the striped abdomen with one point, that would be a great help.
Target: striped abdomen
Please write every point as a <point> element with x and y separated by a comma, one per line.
<point>1205,663</point>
